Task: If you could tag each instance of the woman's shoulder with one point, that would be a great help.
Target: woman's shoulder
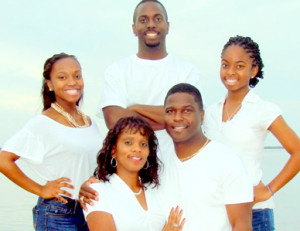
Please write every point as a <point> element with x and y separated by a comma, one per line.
<point>103,186</point>
<point>262,105</point>
<point>36,122</point>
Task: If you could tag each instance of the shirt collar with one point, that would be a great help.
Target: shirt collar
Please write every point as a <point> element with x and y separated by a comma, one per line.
<point>251,97</point>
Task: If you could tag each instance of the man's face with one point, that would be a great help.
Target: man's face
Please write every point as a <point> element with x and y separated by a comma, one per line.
<point>183,118</point>
<point>150,24</point>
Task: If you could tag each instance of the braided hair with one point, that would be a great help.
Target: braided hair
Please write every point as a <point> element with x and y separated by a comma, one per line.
<point>251,48</point>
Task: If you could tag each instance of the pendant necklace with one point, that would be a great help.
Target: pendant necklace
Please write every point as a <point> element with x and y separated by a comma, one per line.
<point>70,118</point>
<point>233,113</point>
<point>189,157</point>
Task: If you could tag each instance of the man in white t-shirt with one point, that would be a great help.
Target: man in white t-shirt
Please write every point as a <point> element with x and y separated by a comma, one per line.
<point>137,85</point>
<point>205,178</point>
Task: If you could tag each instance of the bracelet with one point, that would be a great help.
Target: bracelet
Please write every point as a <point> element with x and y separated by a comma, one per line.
<point>270,189</point>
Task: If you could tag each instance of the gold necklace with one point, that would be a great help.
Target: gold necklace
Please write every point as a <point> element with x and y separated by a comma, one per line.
<point>70,118</point>
<point>233,113</point>
<point>189,157</point>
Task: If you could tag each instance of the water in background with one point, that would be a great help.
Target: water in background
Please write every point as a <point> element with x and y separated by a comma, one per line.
<point>16,204</point>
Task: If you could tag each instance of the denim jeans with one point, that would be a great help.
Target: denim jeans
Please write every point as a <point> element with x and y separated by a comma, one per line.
<point>51,214</point>
<point>263,220</point>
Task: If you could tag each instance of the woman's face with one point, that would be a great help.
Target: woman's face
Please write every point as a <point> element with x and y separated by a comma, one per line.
<point>66,81</point>
<point>237,68</point>
<point>131,151</point>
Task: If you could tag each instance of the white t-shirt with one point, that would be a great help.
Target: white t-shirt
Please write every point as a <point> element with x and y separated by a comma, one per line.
<point>117,199</point>
<point>133,80</point>
<point>203,185</point>
<point>245,132</point>
<point>53,150</point>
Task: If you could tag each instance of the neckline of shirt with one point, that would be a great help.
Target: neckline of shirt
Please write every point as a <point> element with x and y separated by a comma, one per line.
<point>62,125</point>
<point>152,62</point>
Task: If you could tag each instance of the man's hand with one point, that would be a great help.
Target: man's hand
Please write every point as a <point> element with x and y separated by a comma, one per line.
<point>87,194</point>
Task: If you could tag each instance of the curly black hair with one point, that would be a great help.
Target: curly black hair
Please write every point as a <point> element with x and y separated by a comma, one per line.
<point>148,174</point>
<point>252,48</point>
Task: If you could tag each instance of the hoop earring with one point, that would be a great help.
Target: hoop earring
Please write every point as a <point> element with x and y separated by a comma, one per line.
<point>147,165</point>
<point>112,162</point>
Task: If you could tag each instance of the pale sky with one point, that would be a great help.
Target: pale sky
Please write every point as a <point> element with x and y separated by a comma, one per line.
<point>99,32</point>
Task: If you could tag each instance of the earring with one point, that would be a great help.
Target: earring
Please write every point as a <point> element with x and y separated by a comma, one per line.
<point>147,165</point>
<point>112,162</point>
<point>50,89</point>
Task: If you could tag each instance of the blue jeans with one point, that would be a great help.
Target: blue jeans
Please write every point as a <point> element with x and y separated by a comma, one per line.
<point>51,214</point>
<point>263,220</point>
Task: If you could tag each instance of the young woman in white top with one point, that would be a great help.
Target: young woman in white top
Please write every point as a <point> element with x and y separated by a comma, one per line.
<point>242,120</point>
<point>60,145</point>
<point>128,171</point>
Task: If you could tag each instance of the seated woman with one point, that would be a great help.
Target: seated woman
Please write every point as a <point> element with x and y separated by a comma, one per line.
<point>128,171</point>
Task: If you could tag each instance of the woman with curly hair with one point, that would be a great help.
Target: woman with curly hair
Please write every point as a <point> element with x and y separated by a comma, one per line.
<point>128,171</point>
<point>242,120</point>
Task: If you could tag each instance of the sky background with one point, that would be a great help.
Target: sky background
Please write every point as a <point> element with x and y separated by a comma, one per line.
<point>99,32</point>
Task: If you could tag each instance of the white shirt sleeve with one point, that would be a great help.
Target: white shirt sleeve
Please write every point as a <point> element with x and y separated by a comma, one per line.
<point>26,145</point>
<point>102,205</point>
<point>269,113</point>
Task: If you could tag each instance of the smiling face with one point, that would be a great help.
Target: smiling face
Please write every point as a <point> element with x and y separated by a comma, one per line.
<point>66,81</point>
<point>183,118</point>
<point>150,24</point>
<point>237,69</point>
<point>131,152</point>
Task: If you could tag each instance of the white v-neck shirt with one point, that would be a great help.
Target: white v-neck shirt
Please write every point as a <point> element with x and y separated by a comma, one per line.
<point>117,199</point>
<point>203,185</point>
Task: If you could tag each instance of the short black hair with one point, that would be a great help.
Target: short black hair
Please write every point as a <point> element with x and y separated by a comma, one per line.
<point>186,88</point>
<point>252,48</point>
<point>148,174</point>
<point>143,1</point>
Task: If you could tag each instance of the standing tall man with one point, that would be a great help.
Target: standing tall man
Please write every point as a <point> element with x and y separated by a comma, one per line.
<point>138,84</point>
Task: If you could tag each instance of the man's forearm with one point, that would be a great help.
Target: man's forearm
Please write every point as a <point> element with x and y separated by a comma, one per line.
<point>113,113</point>
<point>153,114</point>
